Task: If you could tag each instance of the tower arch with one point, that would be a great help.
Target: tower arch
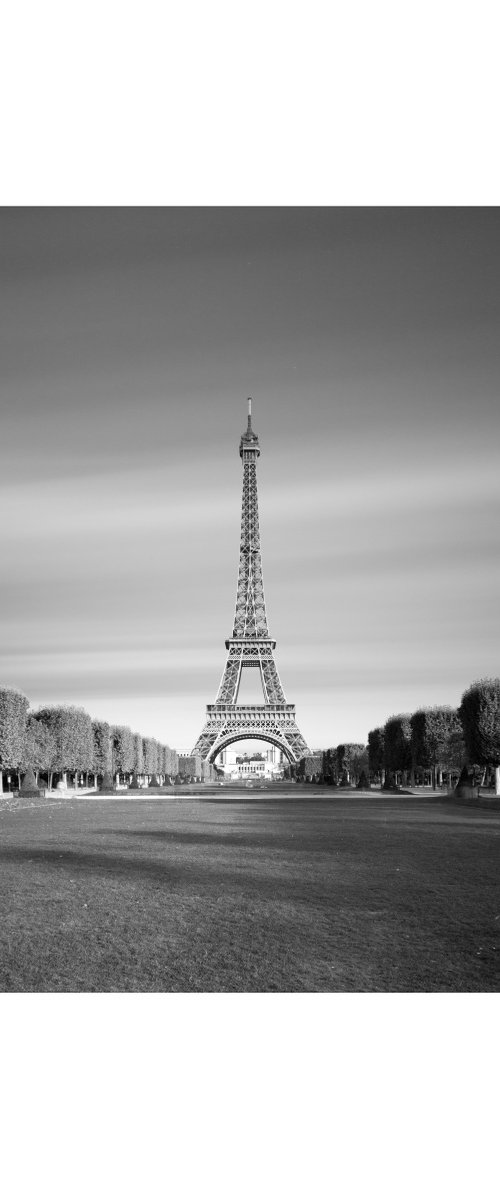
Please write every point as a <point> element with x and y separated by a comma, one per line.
<point>245,737</point>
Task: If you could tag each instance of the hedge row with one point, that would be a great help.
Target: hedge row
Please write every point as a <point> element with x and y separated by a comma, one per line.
<point>63,739</point>
<point>345,763</point>
<point>429,741</point>
<point>441,738</point>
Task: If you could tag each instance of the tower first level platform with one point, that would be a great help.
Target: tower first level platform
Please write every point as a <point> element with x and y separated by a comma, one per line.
<point>250,646</point>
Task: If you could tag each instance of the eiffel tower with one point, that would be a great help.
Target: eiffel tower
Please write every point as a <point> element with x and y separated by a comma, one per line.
<point>250,646</point>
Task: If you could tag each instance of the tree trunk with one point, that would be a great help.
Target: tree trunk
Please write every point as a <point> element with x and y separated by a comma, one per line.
<point>497,781</point>
<point>1,781</point>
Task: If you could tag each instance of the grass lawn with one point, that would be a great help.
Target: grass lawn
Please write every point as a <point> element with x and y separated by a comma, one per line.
<point>315,891</point>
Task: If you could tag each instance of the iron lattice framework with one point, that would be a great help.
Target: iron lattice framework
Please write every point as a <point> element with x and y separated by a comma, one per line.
<point>250,646</point>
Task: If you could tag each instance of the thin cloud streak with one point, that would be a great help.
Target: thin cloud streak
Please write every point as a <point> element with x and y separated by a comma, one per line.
<point>152,502</point>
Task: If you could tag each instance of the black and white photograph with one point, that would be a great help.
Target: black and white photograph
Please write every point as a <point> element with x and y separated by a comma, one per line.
<point>290,791</point>
<point>249,602</point>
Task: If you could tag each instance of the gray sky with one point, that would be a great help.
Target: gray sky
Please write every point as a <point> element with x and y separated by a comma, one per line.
<point>130,339</point>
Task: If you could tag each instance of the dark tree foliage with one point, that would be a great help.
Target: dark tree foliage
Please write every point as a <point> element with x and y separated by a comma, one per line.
<point>330,767</point>
<point>479,714</point>
<point>29,785</point>
<point>397,741</point>
<point>101,732</point>
<point>310,767</point>
<point>13,720</point>
<point>456,754</point>
<point>123,749</point>
<point>437,738</point>
<point>360,764</point>
<point>467,786</point>
<point>376,750</point>
<point>352,759</point>
<point>72,731</point>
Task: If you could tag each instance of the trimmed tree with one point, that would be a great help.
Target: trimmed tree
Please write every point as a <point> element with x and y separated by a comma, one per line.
<point>437,740</point>
<point>165,763</point>
<point>351,760</point>
<point>13,720</point>
<point>40,749</point>
<point>101,765</point>
<point>172,762</point>
<point>376,752</point>
<point>72,731</point>
<point>360,768</point>
<point>167,758</point>
<point>29,786</point>
<point>123,750</point>
<point>162,764</point>
<point>398,747</point>
<point>150,760</point>
<point>138,766</point>
<point>101,732</point>
<point>154,761</point>
<point>330,769</point>
<point>310,768</point>
<point>479,714</point>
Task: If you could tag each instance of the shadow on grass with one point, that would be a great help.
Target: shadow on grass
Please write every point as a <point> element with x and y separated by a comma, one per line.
<point>268,801</point>
<point>282,841</point>
<point>164,873</point>
<point>336,798</point>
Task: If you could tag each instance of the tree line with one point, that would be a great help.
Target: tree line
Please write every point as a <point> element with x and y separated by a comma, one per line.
<point>344,764</point>
<point>441,741</point>
<point>427,746</point>
<point>65,742</point>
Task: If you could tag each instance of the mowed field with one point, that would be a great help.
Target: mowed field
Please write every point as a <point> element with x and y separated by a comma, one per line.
<point>256,892</point>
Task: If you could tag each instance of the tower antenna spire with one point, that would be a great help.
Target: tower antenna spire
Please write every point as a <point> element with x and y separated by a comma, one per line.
<point>249,412</point>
